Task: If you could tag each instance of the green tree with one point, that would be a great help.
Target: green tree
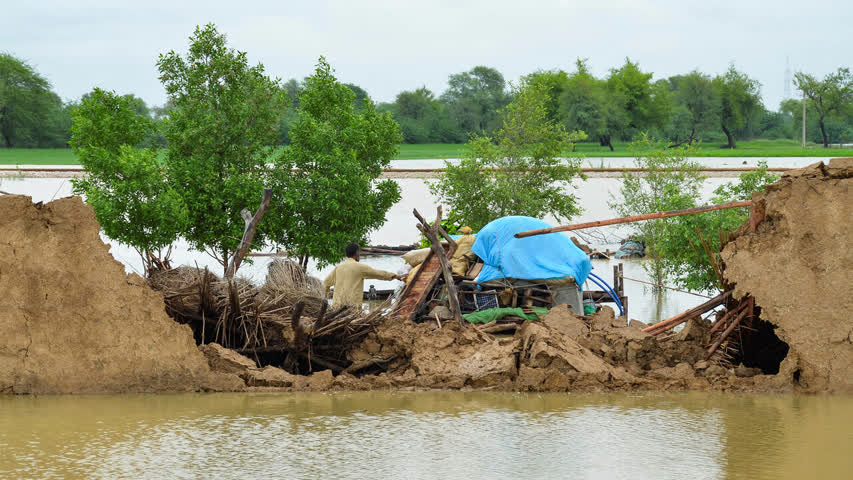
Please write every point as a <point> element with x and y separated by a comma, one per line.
<point>775,125</point>
<point>293,89</point>
<point>587,105</point>
<point>360,95</point>
<point>690,239</point>
<point>221,134</point>
<point>829,98</point>
<point>331,194</point>
<point>554,82</point>
<point>423,119</point>
<point>670,181</point>
<point>31,115</point>
<point>740,101</point>
<point>126,185</point>
<point>695,94</point>
<point>474,98</point>
<point>646,103</point>
<point>519,172</point>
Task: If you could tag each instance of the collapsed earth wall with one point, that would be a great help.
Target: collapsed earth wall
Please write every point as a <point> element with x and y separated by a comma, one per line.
<point>72,321</point>
<point>798,265</point>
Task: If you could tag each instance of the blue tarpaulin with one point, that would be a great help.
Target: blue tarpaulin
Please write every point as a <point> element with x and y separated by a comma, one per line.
<point>552,255</point>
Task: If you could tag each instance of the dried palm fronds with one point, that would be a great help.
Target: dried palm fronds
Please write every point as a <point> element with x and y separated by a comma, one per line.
<point>285,315</point>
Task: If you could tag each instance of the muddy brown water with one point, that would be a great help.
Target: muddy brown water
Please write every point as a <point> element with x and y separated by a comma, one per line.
<point>426,435</point>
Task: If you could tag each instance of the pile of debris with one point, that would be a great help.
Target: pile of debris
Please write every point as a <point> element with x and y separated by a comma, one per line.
<point>444,284</point>
<point>74,322</point>
<point>285,322</point>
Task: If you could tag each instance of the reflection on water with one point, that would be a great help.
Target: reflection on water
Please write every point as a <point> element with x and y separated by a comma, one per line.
<point>426,435</point>
<point>594,195</point>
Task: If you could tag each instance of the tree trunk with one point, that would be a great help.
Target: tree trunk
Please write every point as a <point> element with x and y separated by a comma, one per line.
<point>729,136</point>
<point>609,143</point>
<point>252,222</point>
<point>823,133</point>
<point>4,129</point>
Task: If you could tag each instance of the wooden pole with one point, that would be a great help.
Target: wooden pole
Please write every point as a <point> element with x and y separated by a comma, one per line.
<point>726,333</point>
<point>634,218</point>
<point>722,322</point>
<point>682,317</point>
<point>432,233</point>
<point>252,222</point>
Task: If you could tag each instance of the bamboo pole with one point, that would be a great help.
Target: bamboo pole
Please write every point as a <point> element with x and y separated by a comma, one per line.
<point>722,322</point>
<point>726,333</point>
<point>682,317</point>
<point>634,218</point>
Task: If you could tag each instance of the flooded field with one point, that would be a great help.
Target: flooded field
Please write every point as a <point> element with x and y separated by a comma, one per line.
<point>594,194</point>
<point>426,435</point>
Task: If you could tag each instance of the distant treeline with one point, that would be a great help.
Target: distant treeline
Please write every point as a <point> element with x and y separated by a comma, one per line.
<point>627,101</point>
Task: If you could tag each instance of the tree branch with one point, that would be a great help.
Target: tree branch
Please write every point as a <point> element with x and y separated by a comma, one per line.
<point>248,234</point>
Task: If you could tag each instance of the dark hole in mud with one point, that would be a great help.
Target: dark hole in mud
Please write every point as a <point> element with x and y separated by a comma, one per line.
<point>760,347</point>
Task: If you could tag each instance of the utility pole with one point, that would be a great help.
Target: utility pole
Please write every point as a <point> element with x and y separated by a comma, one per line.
<point>804,118</point>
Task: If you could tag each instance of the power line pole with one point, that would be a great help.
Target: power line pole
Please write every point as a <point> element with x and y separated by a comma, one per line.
<point>804,118</point>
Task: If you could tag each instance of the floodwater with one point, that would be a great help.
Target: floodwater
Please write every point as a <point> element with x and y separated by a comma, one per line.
<point>587,162</point>
<point>594,195</point>
<point>426,435</point>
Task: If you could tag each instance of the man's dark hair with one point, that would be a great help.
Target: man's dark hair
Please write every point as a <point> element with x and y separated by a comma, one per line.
<point>352,249</point>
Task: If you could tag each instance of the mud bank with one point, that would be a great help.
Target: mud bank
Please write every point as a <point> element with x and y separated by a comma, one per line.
<point>72,321</point>
<point>798,265</point>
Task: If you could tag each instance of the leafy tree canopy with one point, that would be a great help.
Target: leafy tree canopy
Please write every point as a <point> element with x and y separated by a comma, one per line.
<point>671,181</point>
<point>221,134</point>
<point>334,195</point>
<point>829,98</point>
<point>31,115</point>
<point>519,172</point>
<point>740,101</point>
<point>126,185</point>
<point>474,98</point>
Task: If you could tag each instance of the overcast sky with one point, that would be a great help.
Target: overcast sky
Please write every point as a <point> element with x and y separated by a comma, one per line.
<point>394,45</point>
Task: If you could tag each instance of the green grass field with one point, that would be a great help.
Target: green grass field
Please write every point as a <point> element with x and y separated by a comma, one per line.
<point>755,148</point>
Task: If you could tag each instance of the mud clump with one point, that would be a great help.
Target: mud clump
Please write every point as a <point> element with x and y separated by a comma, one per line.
<point>562,352</point>
<point>72,321</point>
<point>797,265</point>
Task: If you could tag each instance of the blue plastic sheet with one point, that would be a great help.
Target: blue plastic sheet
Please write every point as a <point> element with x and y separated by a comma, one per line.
<point>552,255</point>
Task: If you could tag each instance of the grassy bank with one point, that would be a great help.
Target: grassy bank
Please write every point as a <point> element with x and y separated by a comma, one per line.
<point>755,148</point>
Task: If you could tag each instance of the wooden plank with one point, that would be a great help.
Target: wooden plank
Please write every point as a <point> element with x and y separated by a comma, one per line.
<point>446,271</point>
<point>671,322</point>
<point>416,292</point>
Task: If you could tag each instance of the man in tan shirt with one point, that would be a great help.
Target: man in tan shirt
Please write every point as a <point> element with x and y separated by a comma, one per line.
<point>348,279</point>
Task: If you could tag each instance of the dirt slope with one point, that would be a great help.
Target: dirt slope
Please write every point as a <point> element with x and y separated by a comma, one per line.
<point>72,321</point>
<point>799,267</point>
